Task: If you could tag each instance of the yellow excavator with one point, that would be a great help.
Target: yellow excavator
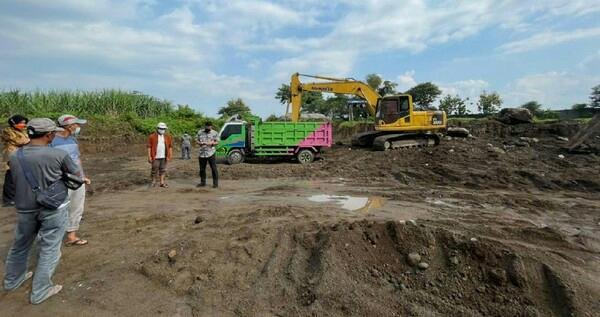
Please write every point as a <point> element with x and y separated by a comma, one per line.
<point>397,123</point>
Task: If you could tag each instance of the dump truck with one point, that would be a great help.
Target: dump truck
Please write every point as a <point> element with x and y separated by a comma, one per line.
<point>239,139</point>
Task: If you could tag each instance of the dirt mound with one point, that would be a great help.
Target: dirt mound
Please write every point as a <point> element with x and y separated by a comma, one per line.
<point>359,268</point>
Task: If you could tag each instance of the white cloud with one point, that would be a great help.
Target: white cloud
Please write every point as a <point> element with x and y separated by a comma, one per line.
<point>549,38</point>
<point>467,89</point>
<point>556,90</point>
<point>406,81</point>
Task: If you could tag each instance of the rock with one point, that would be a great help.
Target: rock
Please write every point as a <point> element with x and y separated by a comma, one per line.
<point>560,156</point>
<point>453,260</point>
<point>375,273</point>
<point>529,140</point>
<point>473,239</point>
<point>451,151</point>
<point>199,219</point>
<point>412,222</point>
<point>481,289</point>
<point>457,132</point>
<point>515,116</point>
<point>496,150</point>
<point>171,255</point>
<point>423,265</point>
<point>413,258</point>
<point>562,138</point>
<point>498,276</point>
<point>448,138</point>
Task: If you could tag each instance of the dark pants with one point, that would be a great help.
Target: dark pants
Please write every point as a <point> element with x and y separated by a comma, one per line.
<point>8,192</point>
<point>159,166</point>
<point>213,168</point>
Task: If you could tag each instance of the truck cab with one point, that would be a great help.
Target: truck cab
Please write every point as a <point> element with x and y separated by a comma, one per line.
<point>233,141</point>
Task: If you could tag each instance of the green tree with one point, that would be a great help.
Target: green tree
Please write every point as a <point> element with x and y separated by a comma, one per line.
<point>272,118</point>
<point>595,97</point>
<point>424,94</point>
<point>489,102</point>
<point>579,106</point>
<point>335,107</point>
<point>533,106</point>
<point>374,81</point>
<point>453,105</point>
<point>388,88</point>
<point>284,94</point>
<point>312,101</point>
<point>233,107</point>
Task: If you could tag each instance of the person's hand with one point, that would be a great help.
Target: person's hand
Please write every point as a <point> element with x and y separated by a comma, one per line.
<point>87,181</point>
<point>150,160</point>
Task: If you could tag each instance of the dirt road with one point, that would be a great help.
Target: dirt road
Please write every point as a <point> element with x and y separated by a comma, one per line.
<point>495,225</point>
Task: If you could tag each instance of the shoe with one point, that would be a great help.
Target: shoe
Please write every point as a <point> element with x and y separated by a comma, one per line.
<point>53,291</point>
<point>201,185</point>
<point>215,186</point>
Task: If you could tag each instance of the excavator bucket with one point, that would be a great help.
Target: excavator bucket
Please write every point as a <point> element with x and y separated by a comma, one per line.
<point>586,140</point>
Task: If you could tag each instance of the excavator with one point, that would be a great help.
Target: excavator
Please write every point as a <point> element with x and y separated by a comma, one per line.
<point>397,123</point>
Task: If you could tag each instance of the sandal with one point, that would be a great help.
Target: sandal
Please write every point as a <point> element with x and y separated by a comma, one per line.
<point>77,242</point>
<point>164,185</point>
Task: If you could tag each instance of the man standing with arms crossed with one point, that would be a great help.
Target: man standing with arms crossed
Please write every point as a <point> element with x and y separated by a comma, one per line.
<point>207,139</point>
<point>45,166</point>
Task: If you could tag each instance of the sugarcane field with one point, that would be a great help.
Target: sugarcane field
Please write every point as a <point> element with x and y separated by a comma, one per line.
<point>276,158</point>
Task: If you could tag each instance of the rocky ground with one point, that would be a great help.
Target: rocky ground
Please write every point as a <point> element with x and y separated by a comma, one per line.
<point>503,224</point>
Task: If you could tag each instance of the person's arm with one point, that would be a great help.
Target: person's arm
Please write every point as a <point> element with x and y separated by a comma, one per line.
<point>170,149</point>
<point>149,146</point>
<point>69,166</point>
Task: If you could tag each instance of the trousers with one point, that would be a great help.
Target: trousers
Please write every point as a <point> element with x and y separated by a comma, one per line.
<point>50,226</point>
<point>213,168</point>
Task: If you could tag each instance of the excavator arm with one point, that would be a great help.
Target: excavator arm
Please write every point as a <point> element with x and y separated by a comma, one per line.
<point>331,85</point>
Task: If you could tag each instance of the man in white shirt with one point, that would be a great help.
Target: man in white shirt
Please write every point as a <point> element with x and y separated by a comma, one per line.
<point>160,151</point>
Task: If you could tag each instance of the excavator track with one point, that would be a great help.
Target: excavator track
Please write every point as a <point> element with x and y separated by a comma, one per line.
<point>365,139</point>
<point>405,140</point>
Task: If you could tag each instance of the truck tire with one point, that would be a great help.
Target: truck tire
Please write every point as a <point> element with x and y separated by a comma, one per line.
<point>305,156</point>
<point>235,157</point>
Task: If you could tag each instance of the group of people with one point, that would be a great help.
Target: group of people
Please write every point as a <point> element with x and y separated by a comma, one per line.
<point>40,154</point>
<point>41,157</point>
<point>160,152</point>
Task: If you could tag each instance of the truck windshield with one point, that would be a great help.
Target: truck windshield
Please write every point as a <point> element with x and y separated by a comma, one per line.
<point>230,130</point>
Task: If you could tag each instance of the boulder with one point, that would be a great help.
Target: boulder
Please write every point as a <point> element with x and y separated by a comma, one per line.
<point>515,116</point>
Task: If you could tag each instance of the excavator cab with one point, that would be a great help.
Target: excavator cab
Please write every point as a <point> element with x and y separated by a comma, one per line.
<point>393,108</point>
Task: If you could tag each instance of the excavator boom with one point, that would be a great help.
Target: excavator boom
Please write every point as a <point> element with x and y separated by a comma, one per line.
<point>332,85</point>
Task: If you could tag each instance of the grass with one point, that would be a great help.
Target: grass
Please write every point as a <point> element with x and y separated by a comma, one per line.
<point>110,111</point>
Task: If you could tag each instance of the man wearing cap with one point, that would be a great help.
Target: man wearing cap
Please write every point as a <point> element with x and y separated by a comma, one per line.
<point>45,165</point>
<point>160,150</point>
<point>67,140</point>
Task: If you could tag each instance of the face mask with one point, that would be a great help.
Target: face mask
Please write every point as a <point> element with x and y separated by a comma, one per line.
<point>21,126</point>
<point>76,132</point>
<point>160,131</point>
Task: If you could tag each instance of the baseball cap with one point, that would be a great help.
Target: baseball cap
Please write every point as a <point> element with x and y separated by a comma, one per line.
<point>161,125</point>
<point>42,125</point>
<point>67,119</point>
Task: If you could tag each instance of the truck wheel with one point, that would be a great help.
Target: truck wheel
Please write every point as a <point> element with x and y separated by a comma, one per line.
<point>235,157</point>
<point>305,156</point>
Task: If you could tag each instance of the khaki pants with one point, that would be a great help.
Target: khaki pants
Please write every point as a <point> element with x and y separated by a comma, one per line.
<point>77,198</point>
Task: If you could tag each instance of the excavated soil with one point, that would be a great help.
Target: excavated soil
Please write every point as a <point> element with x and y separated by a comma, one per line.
<point>505,223</point>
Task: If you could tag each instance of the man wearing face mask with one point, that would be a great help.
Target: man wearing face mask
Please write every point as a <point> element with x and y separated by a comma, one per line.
<point>14,137</point>
<point>207,139</point>
<point>67,140</point>
<point>160,151</point>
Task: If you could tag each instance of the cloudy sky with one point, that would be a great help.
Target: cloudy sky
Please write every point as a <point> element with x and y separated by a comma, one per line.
<point>205,52</point>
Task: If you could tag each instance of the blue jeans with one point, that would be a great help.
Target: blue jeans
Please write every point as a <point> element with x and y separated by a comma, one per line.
<point>50,226</point>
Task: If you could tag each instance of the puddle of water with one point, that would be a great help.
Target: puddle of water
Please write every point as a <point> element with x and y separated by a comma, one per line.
<point>350,202</point>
